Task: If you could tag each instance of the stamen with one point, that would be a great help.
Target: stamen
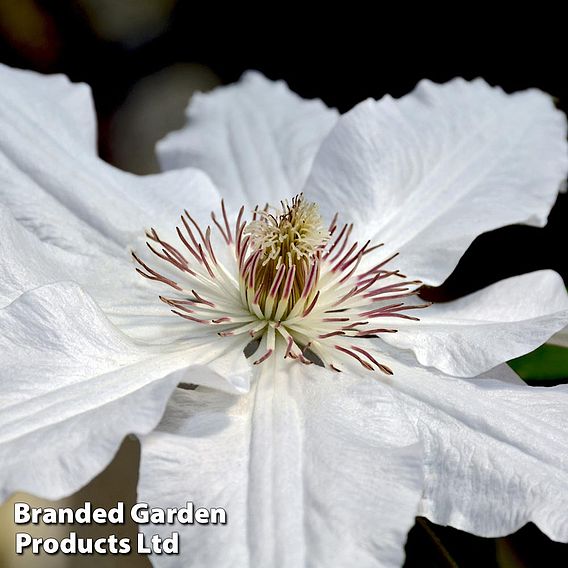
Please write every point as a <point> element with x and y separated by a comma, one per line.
<point>153,275</point>
<point>294,279</point>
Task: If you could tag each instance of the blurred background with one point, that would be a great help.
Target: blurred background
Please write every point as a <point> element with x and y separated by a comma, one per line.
<point>145,58</point>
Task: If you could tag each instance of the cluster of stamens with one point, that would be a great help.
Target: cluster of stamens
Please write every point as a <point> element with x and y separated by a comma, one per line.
<point>287,281</point>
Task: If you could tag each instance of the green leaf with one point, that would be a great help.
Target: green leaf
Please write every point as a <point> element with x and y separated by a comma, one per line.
<point>548,362</point>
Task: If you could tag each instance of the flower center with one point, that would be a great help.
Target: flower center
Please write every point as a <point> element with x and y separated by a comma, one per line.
<point>282,251</point>
<point>287,281</point>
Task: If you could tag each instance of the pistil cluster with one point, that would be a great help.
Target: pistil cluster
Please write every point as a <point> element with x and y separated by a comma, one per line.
<point>285,281</point>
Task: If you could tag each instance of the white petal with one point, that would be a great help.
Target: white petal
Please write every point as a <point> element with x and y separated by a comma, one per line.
<point>429,172</point>
<point>496,451</point>
<point>73,386</point>
<point>77,118</point>
<point>163,197</point>
<point>256,139</point>
<point>83,211</point>
<point>53,182</point>
<point>25,261</point>
<point>313,470</point>
<point>129,300</point>
<point>473,334</point>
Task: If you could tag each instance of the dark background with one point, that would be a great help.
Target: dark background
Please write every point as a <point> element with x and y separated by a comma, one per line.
<point>361,54</point>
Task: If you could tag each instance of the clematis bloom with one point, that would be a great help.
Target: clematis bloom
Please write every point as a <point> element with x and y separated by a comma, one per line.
<point>349,429</point>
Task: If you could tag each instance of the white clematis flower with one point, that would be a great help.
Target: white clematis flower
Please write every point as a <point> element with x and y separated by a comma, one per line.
<point>314,466</point>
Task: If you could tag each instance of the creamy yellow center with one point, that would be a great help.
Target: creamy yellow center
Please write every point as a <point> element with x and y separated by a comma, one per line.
<point>286,245</point>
